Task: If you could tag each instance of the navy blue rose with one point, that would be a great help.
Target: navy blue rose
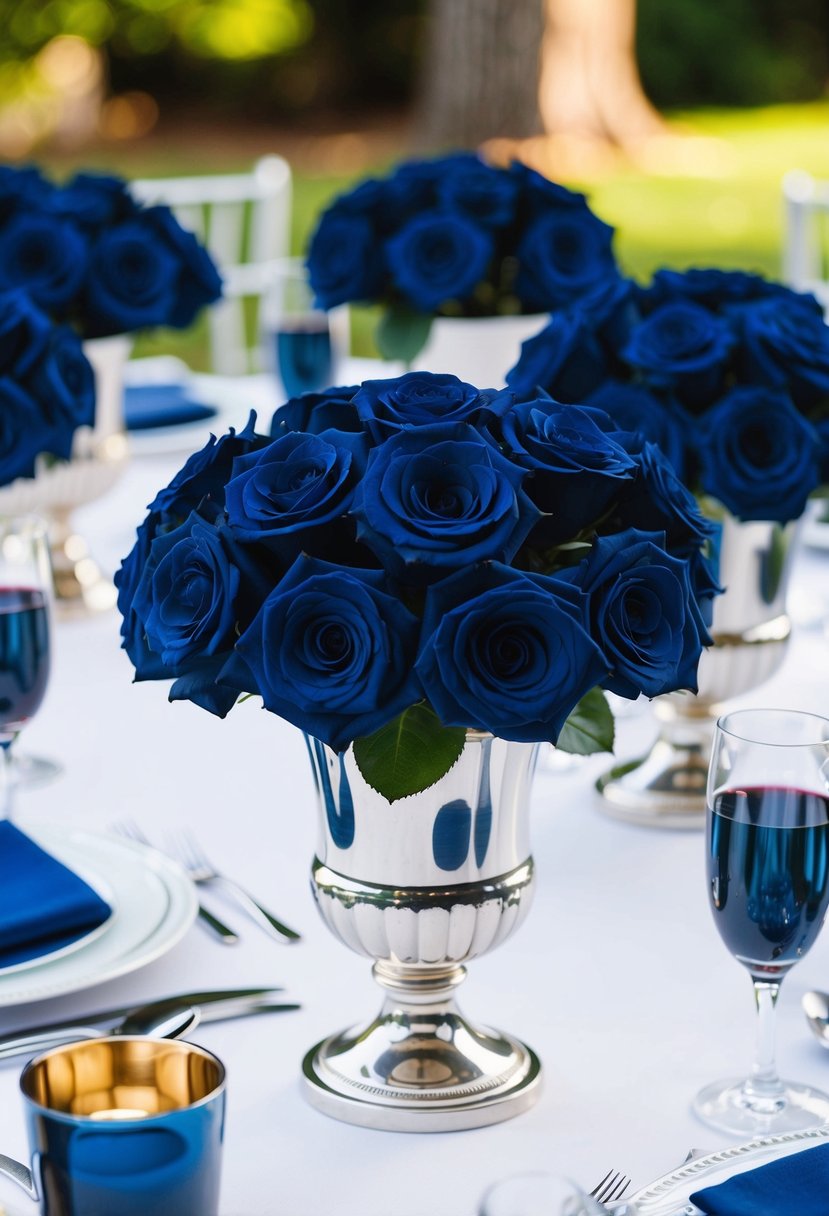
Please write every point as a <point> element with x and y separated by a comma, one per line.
<point>205,474</point>
<point>434,498</point>
<point>565,360</point>
<point>634,409</point>
<point>45,255</point>
<point>131,280</point>
<point>486,194</point>
<point>64,381</point>
<point>94,200</point>
<point>577,467</point>
<point>643,614</point>
<point>331,651</point>
<point>438,256</point>
<point>331,410</point>
<point>786,346</point>
<point>147,664</point>
<point>507,652</point>
<point>22,428</point>
<point>719,290</point>
<point>611,309</point>
<point>421,398</point>
<point>345,258</point>
<point>24,332</point>
<point>23,189</point>
<point>291,494</point>
<point>822,428</point>
<point>758,456</point>
<point>198,590</point>
<point>683,347</point>
<point>657,501</point>
<point>562,256</point>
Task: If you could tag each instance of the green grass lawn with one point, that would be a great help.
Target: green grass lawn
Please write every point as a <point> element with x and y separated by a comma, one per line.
<point>711,198</point>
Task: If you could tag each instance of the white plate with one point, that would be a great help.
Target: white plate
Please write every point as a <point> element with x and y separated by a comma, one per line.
<point>154,904</point>
<point>669,1195</point>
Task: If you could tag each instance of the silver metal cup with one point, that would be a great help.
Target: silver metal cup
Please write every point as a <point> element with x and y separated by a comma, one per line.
<point>421,886</point>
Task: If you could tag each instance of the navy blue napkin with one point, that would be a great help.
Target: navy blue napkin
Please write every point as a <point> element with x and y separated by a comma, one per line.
<point>153,405</point>
<point>43,905</point>
<point>797,1185</point>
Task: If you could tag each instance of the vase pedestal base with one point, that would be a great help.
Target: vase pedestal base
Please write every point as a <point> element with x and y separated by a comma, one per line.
<point>665,788</point>
<point>421,1067</point>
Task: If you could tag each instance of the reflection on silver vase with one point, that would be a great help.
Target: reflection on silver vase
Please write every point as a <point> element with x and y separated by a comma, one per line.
<point>751,632</point>
<point>421,886</point>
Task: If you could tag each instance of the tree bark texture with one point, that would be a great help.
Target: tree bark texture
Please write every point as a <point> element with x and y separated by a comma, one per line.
<point>479,72</point>
<point>590,82</point>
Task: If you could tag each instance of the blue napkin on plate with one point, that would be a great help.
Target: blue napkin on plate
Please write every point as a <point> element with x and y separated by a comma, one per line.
<point>796,1185</point>
<point>43,905</point>
<point>152,405</point>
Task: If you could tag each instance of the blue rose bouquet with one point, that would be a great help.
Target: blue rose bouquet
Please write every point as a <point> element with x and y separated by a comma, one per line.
<point>726,372</point>
<point>47,387</point>
<point>90,255</point>
<point>457,237</point>
<point>396,562</point>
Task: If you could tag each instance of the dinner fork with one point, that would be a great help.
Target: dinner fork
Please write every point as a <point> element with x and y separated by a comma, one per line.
<point>611,1187</point>
<point>131,831</point>
<point>202,870</point>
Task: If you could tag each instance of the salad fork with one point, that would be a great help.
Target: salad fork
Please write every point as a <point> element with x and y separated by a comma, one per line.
<point>202,870</point>
<point>611,1187</point>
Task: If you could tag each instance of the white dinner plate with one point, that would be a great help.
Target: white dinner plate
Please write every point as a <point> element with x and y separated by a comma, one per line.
<point>669,1195</point>
<point>153,905</point>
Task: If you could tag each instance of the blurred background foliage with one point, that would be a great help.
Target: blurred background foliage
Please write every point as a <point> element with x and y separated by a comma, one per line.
<point>159,87</point>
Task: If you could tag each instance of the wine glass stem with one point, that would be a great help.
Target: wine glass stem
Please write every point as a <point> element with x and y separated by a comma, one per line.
<point>764,1087</point>
<point>6,777</point>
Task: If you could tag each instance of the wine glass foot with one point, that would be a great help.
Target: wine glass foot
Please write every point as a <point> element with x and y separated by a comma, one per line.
<point>32,772</point>
<point>725,1106</point>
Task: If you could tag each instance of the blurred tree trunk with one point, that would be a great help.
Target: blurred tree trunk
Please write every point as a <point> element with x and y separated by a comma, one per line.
<point>479,71</point>
<point>590,82</point>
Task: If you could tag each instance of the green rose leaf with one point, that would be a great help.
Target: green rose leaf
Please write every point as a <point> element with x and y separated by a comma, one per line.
<point>401,333</point>
<point>409,754</point>
<point>589,727</point>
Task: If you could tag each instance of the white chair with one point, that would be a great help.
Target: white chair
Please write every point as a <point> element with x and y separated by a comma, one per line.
<point>806,234</point>
<point>244,220</point>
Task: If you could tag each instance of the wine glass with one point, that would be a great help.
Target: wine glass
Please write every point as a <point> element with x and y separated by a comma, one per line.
<point>25,594</point>
<point>296,332</point>
<point>767,833</point>
<point>537,1194</point>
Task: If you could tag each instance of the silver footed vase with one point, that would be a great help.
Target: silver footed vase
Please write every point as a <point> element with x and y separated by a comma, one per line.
<point>751,629</point>
<point>421,886</point>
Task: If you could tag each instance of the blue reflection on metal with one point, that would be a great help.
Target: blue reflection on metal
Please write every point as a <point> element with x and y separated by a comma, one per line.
<point>451,834</point>
<point>339,812</point>
<point>483,813</point>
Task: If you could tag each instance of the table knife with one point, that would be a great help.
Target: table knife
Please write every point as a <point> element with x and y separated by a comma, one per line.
<point>212,1005</point>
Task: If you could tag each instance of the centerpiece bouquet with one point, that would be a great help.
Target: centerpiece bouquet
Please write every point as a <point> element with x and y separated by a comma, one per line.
<point>397,562</point>
<point>455,237</point>
<point>47,388</point>
<point>90,255</point>
<point>726,371</point>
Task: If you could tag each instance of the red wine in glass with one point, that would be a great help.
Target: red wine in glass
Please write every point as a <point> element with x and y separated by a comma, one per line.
<point>24,655</point>
<point>767,863</point>
<point>768,873</point>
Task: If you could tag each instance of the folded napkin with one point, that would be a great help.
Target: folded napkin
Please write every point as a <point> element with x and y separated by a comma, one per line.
<point>43,905</point>
<point>152,405</point>
<point>797,1185</point>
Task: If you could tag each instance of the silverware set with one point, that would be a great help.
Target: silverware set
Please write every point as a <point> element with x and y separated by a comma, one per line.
<point>191,856</point>
<point>168,1017</point>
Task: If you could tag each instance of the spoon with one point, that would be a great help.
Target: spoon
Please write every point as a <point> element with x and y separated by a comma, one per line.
<point>160,1026</point>
<point>816,1008</point>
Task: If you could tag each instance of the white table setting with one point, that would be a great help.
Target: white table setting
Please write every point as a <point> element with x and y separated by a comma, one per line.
<point>617,979</point>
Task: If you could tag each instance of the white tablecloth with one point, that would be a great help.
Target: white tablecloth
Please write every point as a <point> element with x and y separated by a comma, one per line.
<point>618,978</point>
